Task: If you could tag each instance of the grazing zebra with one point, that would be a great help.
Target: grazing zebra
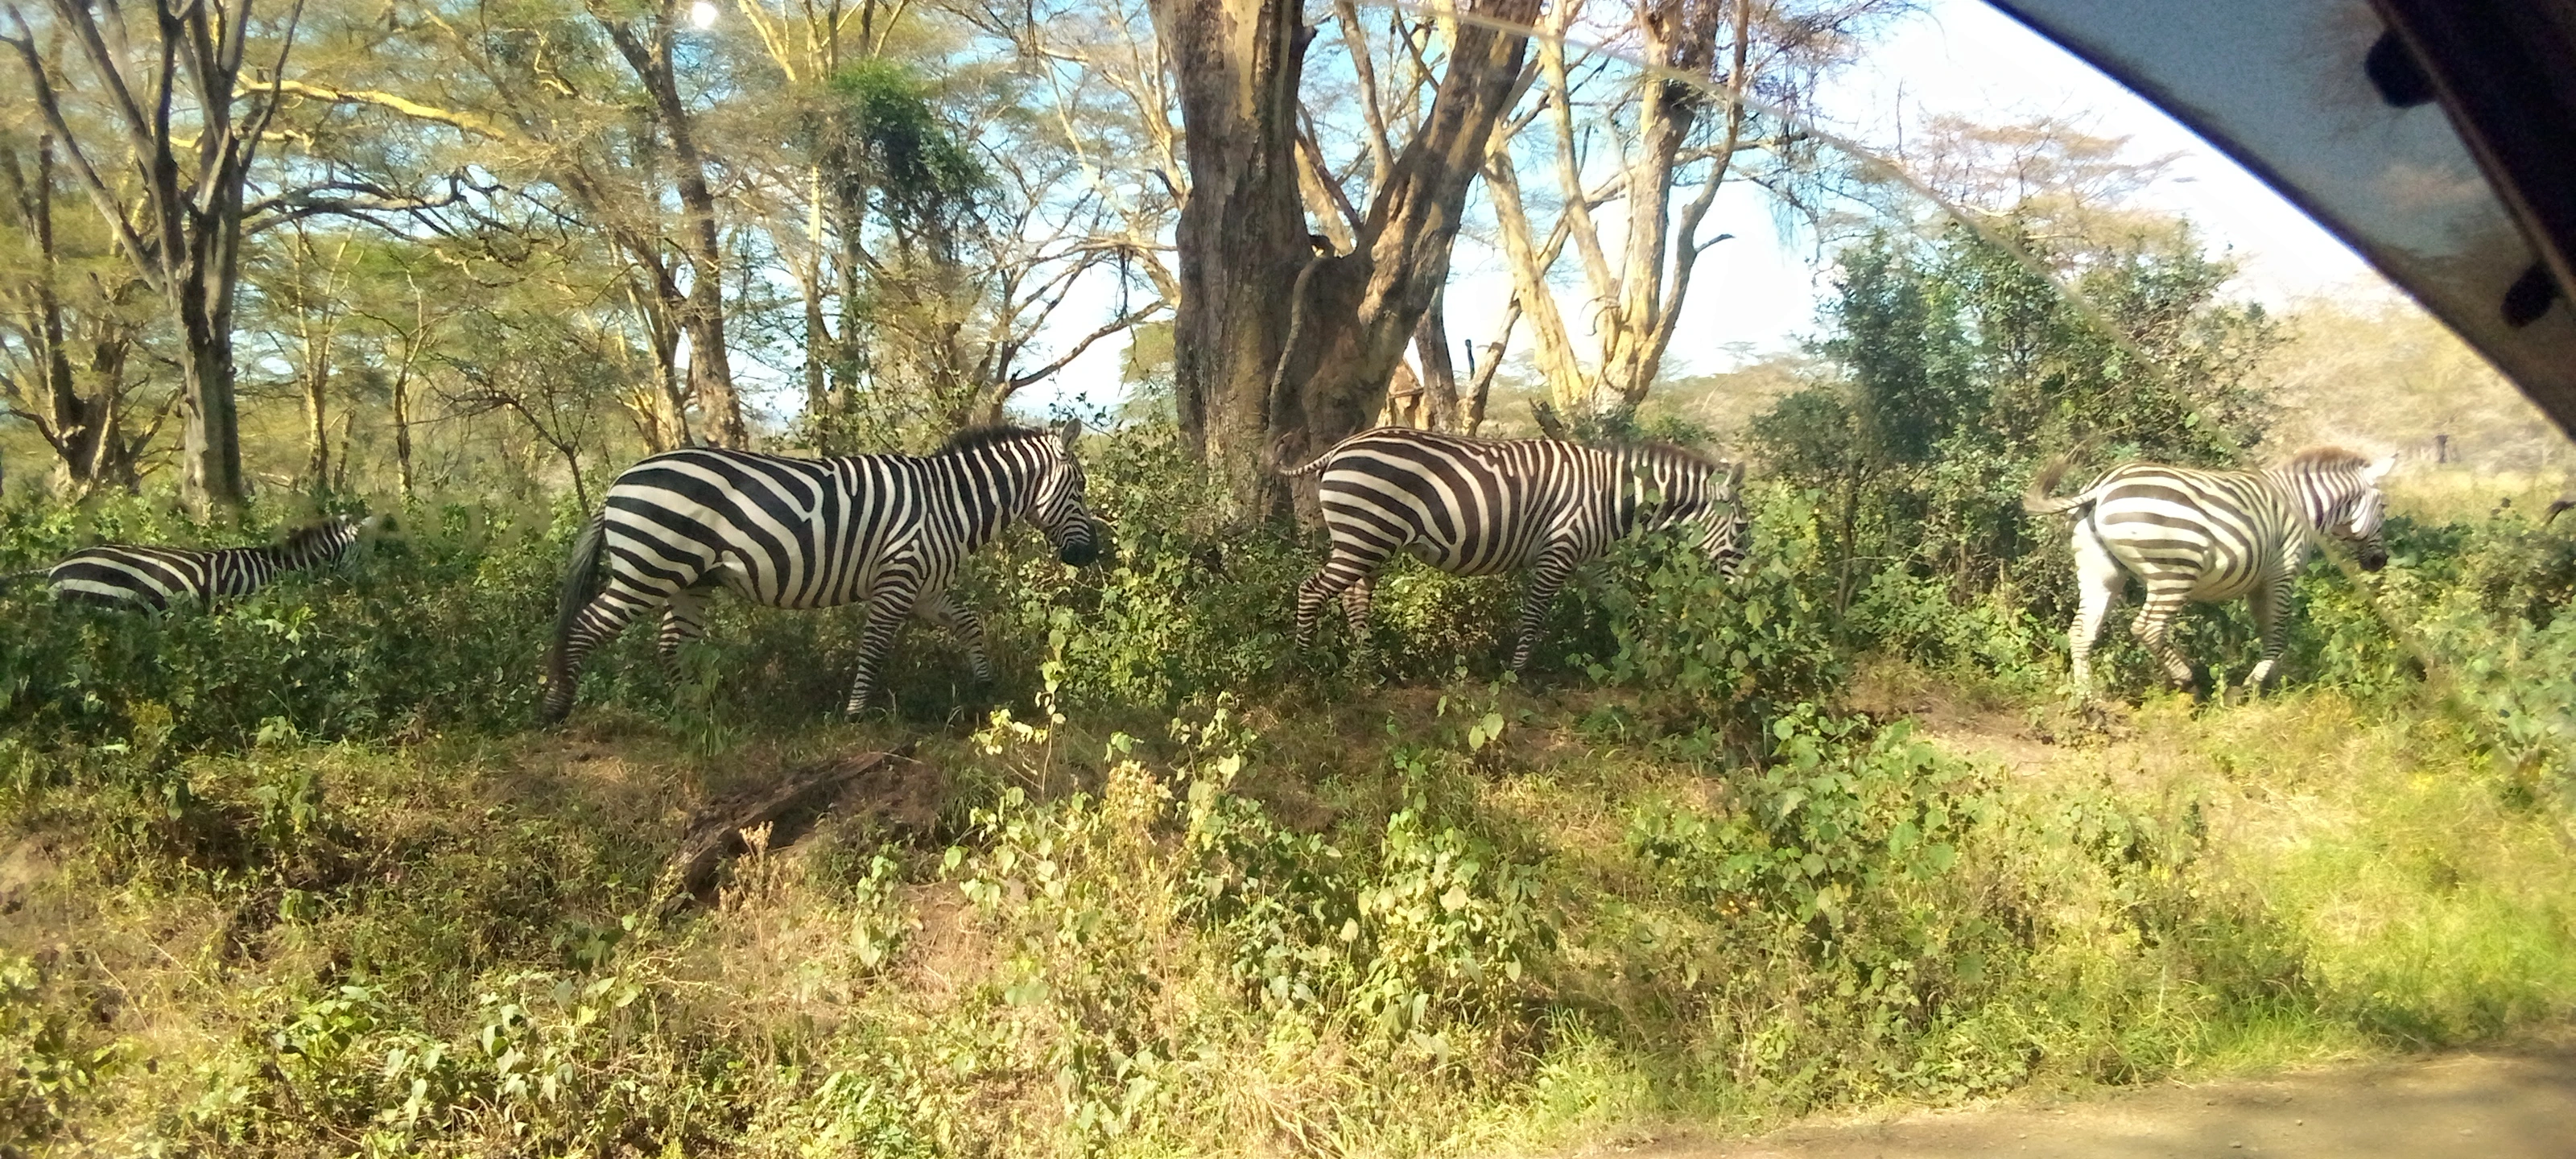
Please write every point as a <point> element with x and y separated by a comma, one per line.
<point>2209,535</point>
<point>124,576</point>
<point>888,530</point>
<point>1474,507</point>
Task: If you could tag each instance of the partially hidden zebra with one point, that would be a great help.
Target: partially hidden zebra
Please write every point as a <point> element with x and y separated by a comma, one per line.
<point>2200,535</point>
<point>1478,507</point>
<point>885,530</point>
<point>154,578</point>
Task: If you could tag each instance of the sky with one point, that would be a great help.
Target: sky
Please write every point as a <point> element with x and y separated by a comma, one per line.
<point>1758,293</point>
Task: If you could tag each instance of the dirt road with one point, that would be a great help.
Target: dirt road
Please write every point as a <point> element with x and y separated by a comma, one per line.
<point>2500,1105</point>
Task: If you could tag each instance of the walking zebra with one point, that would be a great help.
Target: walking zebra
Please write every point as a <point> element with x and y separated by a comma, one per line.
<point>2209,536</point>
<point>1474,507</point>
<point>127,576</point>
<point>887,530</point>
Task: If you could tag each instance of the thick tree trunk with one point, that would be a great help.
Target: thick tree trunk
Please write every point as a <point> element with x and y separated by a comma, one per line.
<point>1242,236</point>
<point>210,434</point>
<point>1247,267</point>
<point>702,314</point>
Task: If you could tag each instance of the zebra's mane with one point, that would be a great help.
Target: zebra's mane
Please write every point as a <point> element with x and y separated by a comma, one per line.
<point>1659,449</point>
<point>993,434</point>
<point>313,534</point>
<point>2327,459</point>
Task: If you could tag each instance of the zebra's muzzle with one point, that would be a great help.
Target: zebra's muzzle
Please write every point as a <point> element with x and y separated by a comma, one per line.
<point>2373,557</point>
<point>1078,551</point>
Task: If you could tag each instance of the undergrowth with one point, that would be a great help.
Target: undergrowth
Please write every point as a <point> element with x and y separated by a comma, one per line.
<point>292,876</point>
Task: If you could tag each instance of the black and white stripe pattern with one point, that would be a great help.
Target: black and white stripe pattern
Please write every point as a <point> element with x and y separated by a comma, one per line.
<point>2190,535</point>
<point>1474,507</point>
<point>125,576</point>
<point>884,530</point>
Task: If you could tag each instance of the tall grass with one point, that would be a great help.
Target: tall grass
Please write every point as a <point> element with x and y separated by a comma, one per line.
<point>289,877</point>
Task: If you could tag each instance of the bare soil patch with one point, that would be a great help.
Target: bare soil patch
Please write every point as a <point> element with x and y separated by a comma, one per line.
<point>2505,1104</point>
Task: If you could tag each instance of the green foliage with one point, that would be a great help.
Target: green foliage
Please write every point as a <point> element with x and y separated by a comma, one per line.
<point>1962,369</point>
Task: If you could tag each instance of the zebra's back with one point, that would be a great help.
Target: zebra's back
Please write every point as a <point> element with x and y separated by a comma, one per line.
<point>787,532</point>
<point>1464,506</point>
<point>125,575</point>
<point>2222,531</point>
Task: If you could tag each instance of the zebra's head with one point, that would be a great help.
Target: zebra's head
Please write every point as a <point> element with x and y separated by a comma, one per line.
<point>1055,506</point>
<point>2369,508</point>
<point>1683,488</point>
<point>327,541</point>
<point>2340,491</point>
<point>1727,535</point>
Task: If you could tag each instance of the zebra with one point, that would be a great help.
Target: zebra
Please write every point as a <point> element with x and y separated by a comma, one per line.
<point>1479,507</point>
<point>886,530</point>
<point>154,578</point>
<point>2192,534</point>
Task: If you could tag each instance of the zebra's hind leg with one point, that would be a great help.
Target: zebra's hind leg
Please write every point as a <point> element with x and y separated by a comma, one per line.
<point>969,630</point>
<point>683,622</point>
<point>2098,579</point>
<point>599,621</point>
<point>2152,627</point>
<point>1336,577</point>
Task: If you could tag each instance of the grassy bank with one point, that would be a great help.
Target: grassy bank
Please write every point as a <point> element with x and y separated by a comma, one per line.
<point>1425,923</point>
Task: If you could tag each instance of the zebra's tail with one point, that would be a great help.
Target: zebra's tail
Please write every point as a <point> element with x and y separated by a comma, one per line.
<point>18,577</point>
<point>1279,450</point>
<point>2037,501</point>
<point>581,573</point>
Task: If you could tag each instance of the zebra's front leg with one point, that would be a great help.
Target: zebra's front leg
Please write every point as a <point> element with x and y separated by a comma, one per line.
<point>1546,579</point>
<point>969,630</point>
<point>886,613</point>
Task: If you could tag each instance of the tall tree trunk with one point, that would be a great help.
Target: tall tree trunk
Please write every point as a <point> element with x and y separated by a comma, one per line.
<point>702,314</point>
<point>191,252</point>
<point>1242,236</point>
<point>1439,375</point>
<point>1251,284</point>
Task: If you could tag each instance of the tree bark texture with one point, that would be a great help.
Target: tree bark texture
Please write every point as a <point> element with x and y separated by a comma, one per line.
<point>702,315</point>
<point>183,228</point>
<point>1245,249</point>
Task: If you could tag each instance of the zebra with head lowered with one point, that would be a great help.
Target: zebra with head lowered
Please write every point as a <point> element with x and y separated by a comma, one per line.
<point>2191,534</point>
<point>884,530</point>
<point>128,576</point>
<point>1476,507</point>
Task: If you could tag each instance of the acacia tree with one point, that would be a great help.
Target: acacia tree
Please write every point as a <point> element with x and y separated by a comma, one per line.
<point>69,330</point>
<point>644,40</point>
<point>1660,140</point>
<point>1282,349</point>
<point>190,128</point>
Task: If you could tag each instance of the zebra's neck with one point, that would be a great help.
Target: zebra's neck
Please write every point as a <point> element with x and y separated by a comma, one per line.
<point>304,552</point>
<point>2320,497</point>
<point>1676,488</point>
<point>989,487</point>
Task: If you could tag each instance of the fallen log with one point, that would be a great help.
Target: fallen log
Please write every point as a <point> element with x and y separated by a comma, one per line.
<point>717,834</point>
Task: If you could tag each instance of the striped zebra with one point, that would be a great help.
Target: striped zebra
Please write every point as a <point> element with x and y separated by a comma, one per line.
<point>887,530</point>
<point>153,578</point>
<point>2191,534</point>
<point>1476,507</point>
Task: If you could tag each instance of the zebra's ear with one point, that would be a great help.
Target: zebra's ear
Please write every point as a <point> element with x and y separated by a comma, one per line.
<point>2373,473</point>
<point>1734,475</point>
<point>1068,431</point>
